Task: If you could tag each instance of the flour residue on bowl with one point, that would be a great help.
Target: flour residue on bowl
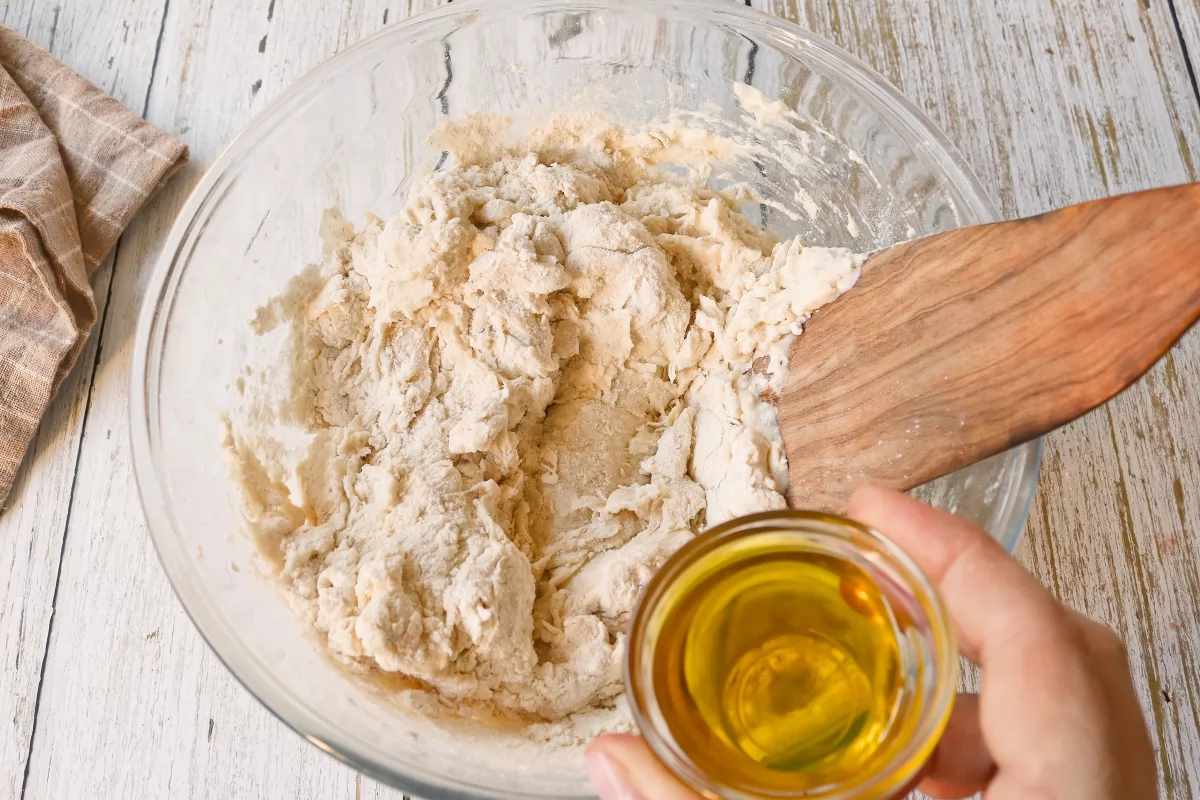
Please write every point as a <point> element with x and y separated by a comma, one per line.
<point>518,397</point>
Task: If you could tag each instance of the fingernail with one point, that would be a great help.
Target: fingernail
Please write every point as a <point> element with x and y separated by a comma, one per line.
<point>608,780</point>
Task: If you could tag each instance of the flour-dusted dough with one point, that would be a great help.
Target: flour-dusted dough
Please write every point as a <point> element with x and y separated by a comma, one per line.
<point>524,392</point>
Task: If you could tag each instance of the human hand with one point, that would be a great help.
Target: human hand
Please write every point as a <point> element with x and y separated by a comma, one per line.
<point>1057,717</point>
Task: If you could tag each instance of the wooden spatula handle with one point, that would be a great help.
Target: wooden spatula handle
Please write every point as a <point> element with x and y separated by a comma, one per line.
<point>960,345</point>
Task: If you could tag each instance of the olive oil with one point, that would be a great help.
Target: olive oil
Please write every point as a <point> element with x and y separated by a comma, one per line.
<point>788,655</point>
<point>780,671</point>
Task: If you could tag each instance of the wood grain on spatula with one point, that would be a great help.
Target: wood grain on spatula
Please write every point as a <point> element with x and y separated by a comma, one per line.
<point>956,346</point>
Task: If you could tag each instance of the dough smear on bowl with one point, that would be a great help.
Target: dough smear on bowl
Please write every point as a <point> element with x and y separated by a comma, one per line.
<point>520,395</point>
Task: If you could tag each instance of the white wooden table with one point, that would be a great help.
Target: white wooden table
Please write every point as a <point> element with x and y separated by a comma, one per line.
<point>106,691</point>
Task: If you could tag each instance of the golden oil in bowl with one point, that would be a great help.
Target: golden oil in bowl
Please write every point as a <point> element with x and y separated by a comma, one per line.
<point>788,658</point>
<point>791,654</point>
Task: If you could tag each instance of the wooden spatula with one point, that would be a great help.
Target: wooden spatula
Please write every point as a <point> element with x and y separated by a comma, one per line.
<point>959,345</point>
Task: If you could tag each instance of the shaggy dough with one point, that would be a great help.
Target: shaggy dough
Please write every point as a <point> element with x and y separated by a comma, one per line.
<point>523,393</point>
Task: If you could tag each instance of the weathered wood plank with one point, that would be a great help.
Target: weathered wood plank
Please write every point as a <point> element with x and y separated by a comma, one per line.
<point>31,536</point>
<point>114,50</point>
<point>1076,106</point>
<point>131,697</point>
<point>1069,113</point>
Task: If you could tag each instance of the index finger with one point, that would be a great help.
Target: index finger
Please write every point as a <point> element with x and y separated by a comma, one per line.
<point>990,597</point>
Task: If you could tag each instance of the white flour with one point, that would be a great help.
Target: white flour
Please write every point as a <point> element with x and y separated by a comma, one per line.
<point>523,393</point>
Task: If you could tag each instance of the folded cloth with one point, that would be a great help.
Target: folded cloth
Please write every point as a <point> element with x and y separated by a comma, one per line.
<point>75,167</point>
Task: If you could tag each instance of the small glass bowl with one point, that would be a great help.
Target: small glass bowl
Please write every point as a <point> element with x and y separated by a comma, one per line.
<point>928,658</point>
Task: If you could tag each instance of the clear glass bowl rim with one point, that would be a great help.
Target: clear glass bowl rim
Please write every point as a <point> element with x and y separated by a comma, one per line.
<point>161,293</point>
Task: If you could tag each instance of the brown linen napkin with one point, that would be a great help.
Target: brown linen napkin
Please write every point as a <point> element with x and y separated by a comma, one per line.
<point>75,167</point>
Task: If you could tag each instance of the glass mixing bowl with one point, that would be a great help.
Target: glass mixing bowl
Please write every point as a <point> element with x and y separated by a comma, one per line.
<point>352,134</point>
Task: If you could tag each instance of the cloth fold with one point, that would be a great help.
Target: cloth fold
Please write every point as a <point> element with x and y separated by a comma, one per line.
<point>75,167</point>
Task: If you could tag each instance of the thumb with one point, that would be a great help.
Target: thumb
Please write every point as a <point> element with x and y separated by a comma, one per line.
<point>622,767</point>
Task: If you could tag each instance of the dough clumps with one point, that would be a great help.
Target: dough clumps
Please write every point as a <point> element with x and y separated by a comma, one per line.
<point>521,395</point>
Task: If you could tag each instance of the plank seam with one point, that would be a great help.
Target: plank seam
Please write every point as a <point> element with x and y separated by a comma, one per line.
<point>1187,59</point>
<point>37,702</point>
<point>162,27</point>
